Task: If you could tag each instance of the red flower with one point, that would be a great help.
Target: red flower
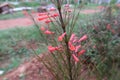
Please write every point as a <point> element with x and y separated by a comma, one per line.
<point>52,49</point>
<point>55,15</point>
<point>77,48</point>
<point>108,27</point>
<point>81,52</point>
<point>42,18</point>
<point>72,37</point>
<point>94,46</point>
<point>113,31</point>
<point>71,47</point>
<point>83,38</point>
<point>60,38</point>
<point>42,28</point>
<point>75,40</point>
<point>48,32</point>
<point>75,58</point>
<point>48,21</point>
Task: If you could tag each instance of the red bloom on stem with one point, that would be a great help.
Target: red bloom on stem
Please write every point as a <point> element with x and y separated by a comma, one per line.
<point>55,15</point>
<point>77,48</point>
<point>42,28</point>
<point>52,49</point>
<point>48,32</point>
<point>108,27</point>
<point>71,47</point>
<point>72,37</point>
<point>113,31</point>
<point>83,38</point>
<point>48,21</point>
<point>81,52</point>
<point>75,40</point>
<point>42,18</point>
<point>94,46</point>
<point>60,38</point>
<point>75,58</point>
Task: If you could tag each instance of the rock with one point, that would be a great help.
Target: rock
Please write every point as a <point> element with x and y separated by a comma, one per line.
<point>1,72</point>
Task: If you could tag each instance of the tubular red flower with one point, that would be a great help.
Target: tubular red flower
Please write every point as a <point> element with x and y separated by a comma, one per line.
<point>60,38</point>
<point>48,21</point>
<point>108,27</point>
<point>72,37</point>
<point>75,40</point>
<point>42,18</point>
<point>77,48</point>
<point>42,28</point>
<point>113,31</point>
<point>83,38</point>
<point>55,15</point>
<point>52,49</point>
<point>48,32</point>
<point>75,58</point>
<point>71,47</point>
<point>81,52</point>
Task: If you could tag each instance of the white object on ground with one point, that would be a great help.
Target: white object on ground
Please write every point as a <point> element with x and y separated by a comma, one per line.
<point>1,72</point>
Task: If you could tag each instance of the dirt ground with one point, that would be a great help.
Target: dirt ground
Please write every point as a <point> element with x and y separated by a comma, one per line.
<point>25,21</point>
<point>32,70</point>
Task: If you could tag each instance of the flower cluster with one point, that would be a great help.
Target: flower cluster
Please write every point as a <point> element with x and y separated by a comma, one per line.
<point>76,47</point>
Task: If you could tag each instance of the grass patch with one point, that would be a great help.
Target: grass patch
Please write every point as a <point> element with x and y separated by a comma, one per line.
<point>11,16</point>
<point>13,49</point>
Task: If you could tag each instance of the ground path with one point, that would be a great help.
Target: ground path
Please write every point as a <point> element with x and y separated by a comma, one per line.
<point>26,21</point>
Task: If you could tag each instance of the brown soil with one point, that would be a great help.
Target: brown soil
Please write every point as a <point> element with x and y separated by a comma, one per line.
<point>31,70</point>
<point>5,24</point>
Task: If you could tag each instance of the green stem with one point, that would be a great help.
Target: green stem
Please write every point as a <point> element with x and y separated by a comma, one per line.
<point>66,42</point>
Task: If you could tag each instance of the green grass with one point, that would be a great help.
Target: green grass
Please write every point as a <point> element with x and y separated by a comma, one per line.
<point>12,46</point>
<point>11,16</point>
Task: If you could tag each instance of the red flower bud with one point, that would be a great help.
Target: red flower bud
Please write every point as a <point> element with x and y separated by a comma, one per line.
<point>42,28</point>
<point>48,32</point>
<point>60,38</point>
<point>83,38</point>
<point>75,58</point>
<point>81,52</point>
